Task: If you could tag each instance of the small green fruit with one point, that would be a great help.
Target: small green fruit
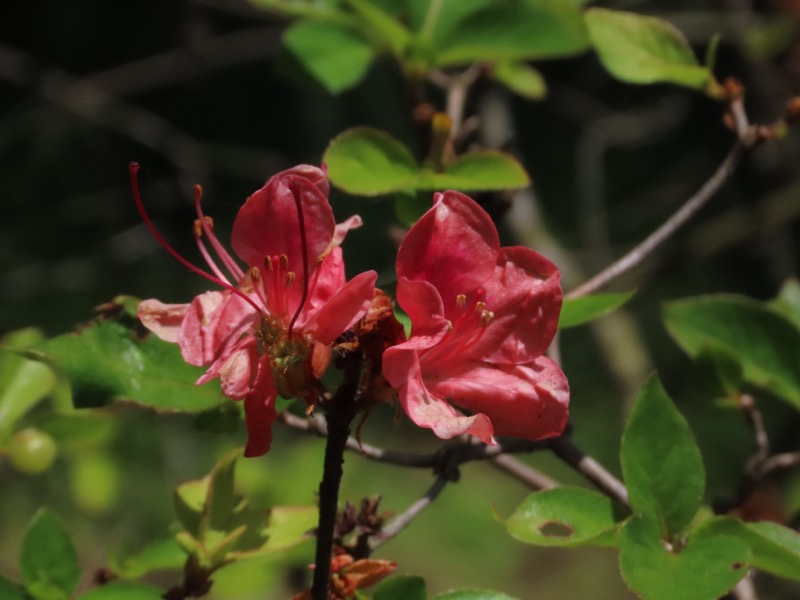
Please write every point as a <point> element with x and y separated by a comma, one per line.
<point>31,451</point>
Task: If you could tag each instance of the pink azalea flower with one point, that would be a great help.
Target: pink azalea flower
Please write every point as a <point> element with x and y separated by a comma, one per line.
<point>270,330</point>
<point>482,317</point>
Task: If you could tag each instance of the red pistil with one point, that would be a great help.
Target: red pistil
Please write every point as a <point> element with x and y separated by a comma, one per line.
<point>133,168</point>
<point>303,244</point>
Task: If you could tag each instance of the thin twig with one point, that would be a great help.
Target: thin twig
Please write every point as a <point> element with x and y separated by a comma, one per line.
<point>565,449</point>
<point>755,462</point>
<point>669,227</point>
<point>532,478</point>
<point>745,589</point>
<point>402,520</point>
<point>778,462</point>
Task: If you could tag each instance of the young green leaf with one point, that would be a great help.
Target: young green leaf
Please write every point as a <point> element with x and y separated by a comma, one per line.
<point>577,311</point>
<point>765,342</point>
<point>383,26</point>
<point>480,170</point>
<point>124,590</point>
<point>775,548</point>
<point>107,362</point>
<point>661,462</point>
<point>718,371</point>
<point>334,54</point>
<point>705,569</point>
<point>48,560</point>
<point>163,554</point>
<point>501,32</point>
<point>640,49</point>
<point>11,591</point>
<point>369,162</point>
<point>565,516</point>
<point>521,79</point>
<point>787,302</point>
<point>401,587</point>
<point>289,526</point>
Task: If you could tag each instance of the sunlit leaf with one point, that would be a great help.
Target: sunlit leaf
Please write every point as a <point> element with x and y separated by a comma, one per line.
<point>661,462</point>
<point>577,311</point>
<point>565,516</point>
<point>787,302</point>
<point>107,362</point>
<point>502,32</point>
<point>48,560</point>
<point>383,26</point>
<point>521,79</point>
<point>334,54</point>
<point>369,162</point>
<point>765,342</point>
<point>480,170</point>
<point>706,568</point>
<point>163,554</point>
<point>640,49</point>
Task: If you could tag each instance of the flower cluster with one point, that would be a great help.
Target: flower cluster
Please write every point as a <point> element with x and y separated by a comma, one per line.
<point>482,315</point>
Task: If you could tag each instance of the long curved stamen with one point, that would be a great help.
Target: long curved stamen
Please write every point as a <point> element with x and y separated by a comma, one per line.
<point>206,224</point>
<point>198,237</point>
<point>133,168</point>
<point>302,224</point>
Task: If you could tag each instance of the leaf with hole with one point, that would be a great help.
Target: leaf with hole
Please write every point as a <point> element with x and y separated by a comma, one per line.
<point>566,516</point>
<point>775,548</point>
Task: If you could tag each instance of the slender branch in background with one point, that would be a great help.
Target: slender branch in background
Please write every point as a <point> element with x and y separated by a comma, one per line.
<point>778,462</point>
<point>565,449</point>
<point>523,473</point>
<point>669,227</point>
<point>754,463</point>
<point>402,520</point>
<point>457,88</point>
<point>745,589</point>
<point>340,411</point>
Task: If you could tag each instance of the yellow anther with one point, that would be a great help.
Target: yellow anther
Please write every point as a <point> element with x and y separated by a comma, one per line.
<point>480,307</point>
<point>486,317</point>
<point>284,262</point>
<point>290,277</point>
<point>461,301</point>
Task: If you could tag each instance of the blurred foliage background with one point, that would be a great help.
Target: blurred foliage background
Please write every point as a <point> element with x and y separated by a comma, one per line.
<point>201,91</point>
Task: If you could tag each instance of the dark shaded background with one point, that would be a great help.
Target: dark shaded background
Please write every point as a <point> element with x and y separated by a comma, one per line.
<point>200,91</point>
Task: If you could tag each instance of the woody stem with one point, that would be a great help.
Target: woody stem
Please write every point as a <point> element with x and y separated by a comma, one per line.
<point>339,411</point>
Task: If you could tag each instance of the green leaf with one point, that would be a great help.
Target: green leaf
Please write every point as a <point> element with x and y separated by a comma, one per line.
<point>787,302</point>
<point>640,49</point>
<point>123,590</point>
<point>718,372</point>
<point>334,54</point>
<point>520,78</point>
<point>764,341</point>
<point>401,587</point>
<point>23,382</point>
<point>161,555</point>
<point>480,170</point>
<point>705,569</point>
<point>577,311</point>
<point>369,162</point>
<point>221,501</point>
<point>382,26</point>
<point>775,548</point>
<point>661,462</point>
<point>500,33</point>
<point>289,526</point>
<point>565,516</point>
<point>48,561</point>
<point>473,595</point>
<point>11,591</point>
<point>189,501</point>
<point>107,362</point>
